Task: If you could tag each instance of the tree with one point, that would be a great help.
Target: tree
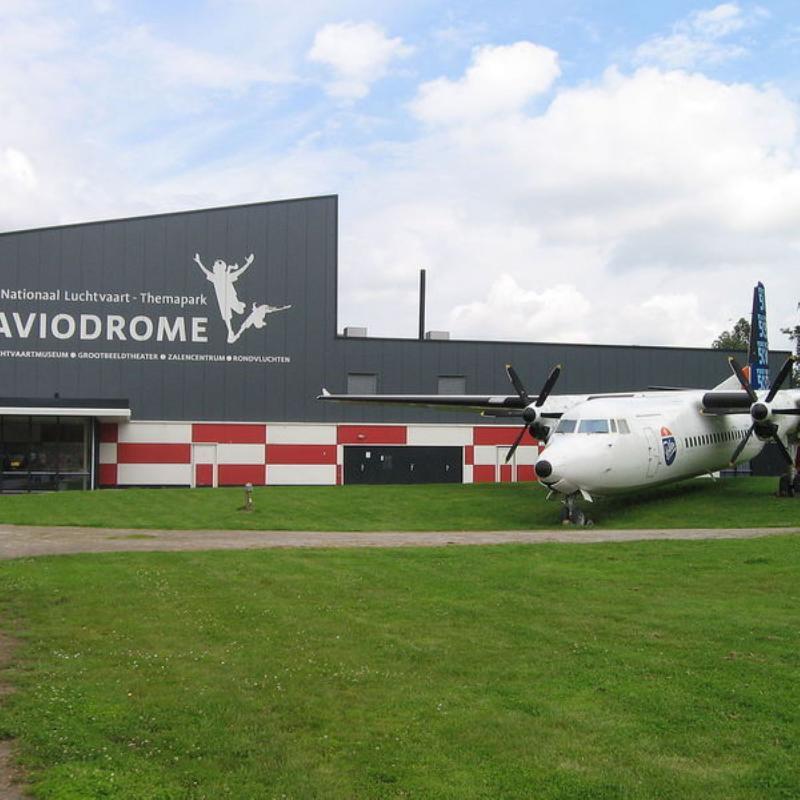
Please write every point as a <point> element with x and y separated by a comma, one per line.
<point>736,339</point>
<point>794,335</point>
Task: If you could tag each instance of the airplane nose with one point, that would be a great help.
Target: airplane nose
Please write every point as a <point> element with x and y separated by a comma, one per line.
<point>543,468</point>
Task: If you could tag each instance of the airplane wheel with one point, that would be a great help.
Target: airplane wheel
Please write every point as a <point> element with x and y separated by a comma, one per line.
<point>564,516</point>
<point>784,487</point>
<point>578,518</point>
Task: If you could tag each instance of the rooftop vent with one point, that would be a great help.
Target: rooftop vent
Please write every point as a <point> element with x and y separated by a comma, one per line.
<point>440,335</point>
<point>352,332</point>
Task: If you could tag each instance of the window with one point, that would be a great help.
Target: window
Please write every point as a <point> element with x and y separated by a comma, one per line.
<point>452,384</point>
<point>362,383</point>
<point>623,426</point>
<point>613,426</point>
<point>593,426</point>
<point>566,426</point>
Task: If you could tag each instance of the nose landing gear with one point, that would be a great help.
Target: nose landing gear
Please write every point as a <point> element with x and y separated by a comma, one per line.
<point>572,513</point>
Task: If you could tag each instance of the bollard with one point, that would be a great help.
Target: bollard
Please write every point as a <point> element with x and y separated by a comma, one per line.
<point>248,497</point>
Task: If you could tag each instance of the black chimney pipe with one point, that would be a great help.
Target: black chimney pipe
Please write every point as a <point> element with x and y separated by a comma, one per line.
<point>421,304</point>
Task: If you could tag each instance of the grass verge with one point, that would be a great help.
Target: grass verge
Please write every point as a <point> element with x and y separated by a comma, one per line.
<point>641,670</point>
<point>735,503</point>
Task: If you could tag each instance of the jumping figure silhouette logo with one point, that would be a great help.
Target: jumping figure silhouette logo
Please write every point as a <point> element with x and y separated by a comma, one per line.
<point>223,277</point>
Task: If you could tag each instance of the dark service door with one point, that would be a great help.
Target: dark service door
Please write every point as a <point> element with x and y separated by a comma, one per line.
<point>403,464</point>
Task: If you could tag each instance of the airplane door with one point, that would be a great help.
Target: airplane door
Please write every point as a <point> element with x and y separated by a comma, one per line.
<point>652,452</point>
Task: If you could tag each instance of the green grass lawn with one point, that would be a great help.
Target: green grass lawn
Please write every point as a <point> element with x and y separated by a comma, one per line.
<point>640,670</point>
<point>737,503</point>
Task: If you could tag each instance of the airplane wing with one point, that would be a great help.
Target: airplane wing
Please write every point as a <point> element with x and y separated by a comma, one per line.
<point>488,405</point>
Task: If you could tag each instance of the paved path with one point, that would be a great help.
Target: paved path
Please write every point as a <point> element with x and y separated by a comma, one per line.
<point>20,540</point>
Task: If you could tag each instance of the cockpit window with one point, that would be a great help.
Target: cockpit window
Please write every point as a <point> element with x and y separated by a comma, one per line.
<point>623,426</point>
<point>566,426</point>
<point>593,426</point>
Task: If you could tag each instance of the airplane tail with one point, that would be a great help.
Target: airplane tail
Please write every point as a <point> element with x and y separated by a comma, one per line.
<point>757,369</point>
<point>758,351</point>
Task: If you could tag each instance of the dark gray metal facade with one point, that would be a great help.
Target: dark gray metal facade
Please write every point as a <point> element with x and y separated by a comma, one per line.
<point>121,309</point>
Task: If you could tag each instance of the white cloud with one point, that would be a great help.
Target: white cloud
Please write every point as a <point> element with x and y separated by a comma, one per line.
<point>500,80</point>
<point>510,311</point>
<point>358,53</point>
<point>698,39</point>
<point>15,167</point>
<point>177,64</point>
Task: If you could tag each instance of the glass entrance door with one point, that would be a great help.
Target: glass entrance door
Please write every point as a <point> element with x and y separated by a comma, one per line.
<point>40,453</point>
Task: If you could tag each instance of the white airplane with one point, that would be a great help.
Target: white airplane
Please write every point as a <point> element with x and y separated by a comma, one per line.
<point>604,444</point>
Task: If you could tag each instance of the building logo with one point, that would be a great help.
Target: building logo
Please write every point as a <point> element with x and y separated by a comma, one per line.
<point>670,446</point>
<point>223,277</point>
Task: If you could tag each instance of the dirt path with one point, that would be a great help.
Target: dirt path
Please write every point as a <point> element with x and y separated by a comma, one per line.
<point>18,541</point>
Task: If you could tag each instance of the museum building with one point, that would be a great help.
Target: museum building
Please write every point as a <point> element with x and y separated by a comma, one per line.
<point>188,349</point>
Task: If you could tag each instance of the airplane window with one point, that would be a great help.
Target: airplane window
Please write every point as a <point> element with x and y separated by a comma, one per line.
<point>613,426</point>
<point>593,426</point>
<point>623,426</point>
<point>566,426</point>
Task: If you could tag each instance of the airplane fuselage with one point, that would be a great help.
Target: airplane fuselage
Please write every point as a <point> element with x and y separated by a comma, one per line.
<point>607,445</point>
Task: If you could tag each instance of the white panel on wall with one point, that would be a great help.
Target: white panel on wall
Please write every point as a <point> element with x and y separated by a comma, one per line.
<point>301,434</point>
<point>107,452</point>
<point>155,432</point>
<point>467,473</point>
<point>301,474</point>
<point>240,454</point>
<point>527,455</point>
<point>485,454</point>
<point>154,474</point>
<point>459,435</point>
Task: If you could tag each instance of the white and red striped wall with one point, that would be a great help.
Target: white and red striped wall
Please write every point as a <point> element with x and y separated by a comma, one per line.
<point>232,454</point>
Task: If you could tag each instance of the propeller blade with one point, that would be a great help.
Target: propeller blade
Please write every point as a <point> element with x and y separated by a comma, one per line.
<point>548,385</point>
<point>743,443</point>
<point>514,446</point>
<point>784,452</point>
<point>737,371</point>
<point>519,388</point>
<point>782,375</point>
<point>789,411</point>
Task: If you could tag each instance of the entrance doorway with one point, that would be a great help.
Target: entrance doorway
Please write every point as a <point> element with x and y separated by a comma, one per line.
<point>403,465</point>
<point>204,465</point>
<point>39,453</point>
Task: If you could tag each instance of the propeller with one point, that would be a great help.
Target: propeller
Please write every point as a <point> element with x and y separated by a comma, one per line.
<point>529,412</point>
<point>760,411</point>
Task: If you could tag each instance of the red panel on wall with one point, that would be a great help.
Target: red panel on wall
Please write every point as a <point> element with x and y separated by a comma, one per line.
<point>469,454</point>
<point>505,473</point>
<point>500,434</point>
<point>483,473</point>
<point>525,473</point>
<point>204,475</point>
<point>229,434</point>
<point>108,432</point>
<point>371,434</point>
<point>301,454</point>
<point>132,453</point>
<point>239,474</point>
<point>107,475</point>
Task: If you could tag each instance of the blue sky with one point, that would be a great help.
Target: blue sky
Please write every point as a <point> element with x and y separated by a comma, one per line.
<point>572,171</point>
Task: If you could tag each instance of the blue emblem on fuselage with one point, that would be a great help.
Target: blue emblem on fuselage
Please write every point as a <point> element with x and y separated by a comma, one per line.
<point>670,446</point>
